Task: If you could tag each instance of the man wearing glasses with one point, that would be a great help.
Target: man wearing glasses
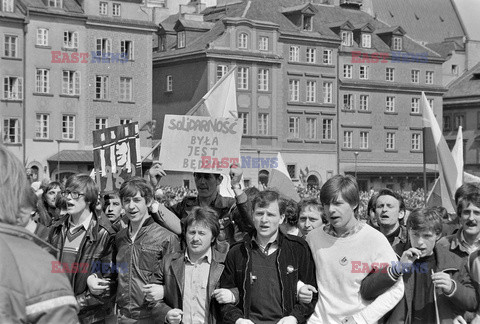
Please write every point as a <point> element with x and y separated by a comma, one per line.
<point>84,241</point>
<point>209,196</point>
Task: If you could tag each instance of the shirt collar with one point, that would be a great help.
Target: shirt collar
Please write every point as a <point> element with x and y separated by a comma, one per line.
<point>329,229</point>
<point>206,256</point>
<point>85,223</point>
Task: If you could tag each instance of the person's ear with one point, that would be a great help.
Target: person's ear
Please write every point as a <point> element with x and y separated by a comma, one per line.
<point>401,214</point>
<point>219,180</point>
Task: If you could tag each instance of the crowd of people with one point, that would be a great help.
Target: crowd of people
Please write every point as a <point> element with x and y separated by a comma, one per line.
<point>155,254</point>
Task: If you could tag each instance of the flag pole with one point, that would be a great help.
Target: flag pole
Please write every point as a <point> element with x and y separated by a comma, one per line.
<point>424,171</point>
<point>151,151</point>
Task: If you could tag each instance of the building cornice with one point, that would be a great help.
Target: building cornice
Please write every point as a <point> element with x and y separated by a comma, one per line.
<point>388,86</point>
<point>237,21</point>
<point>312,38</point>
<point>57,13</point>
<point>123,24</point>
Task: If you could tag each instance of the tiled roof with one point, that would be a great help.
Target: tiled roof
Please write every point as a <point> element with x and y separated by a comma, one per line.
<point>446,48</point>
<point>71,6</point>
<point>126,22</point>
<point>466,85</point>
<point>72,156</point>
<point>196,24</point>
<point>429,21</point>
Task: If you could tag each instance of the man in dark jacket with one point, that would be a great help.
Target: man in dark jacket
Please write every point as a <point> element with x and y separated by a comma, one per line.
<point>142,245</point>
<point>85,243</point>
<point>30,292</point>
<point>266,268</point>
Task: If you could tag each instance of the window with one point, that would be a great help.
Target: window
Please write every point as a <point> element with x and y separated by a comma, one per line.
<point>307,23</point>
<point>294,90</point>
<point>415,76</point>
<point>363,102</point>
<point>294,127</point>
<point>263,79</point>
<point>348,101</point>
<point>291,170</point>
<point>103,9</point>
<point>101,123</point>
<point>104,47</point>
<point>126,49</point>
<point>41,126</point>
<point>364,72</point>
<point>116,10</point>
<point>416,142</point>
<point>42,84</point>
<point>242,78</point>
<point>126,89</point>
<point>390,141</point>
<point>347,38</point>
<point>42,37</point>
<point>181,39</point>
<point>12,130</point>
<point>447,123</point>
<point>454,69</point>
<point>7,5</point>
<point>294,54</point>
<point>262,124</point>
<point>327,133</point>
<point>68,127</point>
<point>366,40</point>
<point>55,3</point>
<point>389,74</point>
<point>311,55</point>
<point>327,57</point>
<point>101,87</point>
<point>327,92</point>
<point>311,91</point>
<point>397,44</point>
<point>221,71</point>
<point>347,139</point>
<point>70,39</point>
<point>244,118</point>
<point>263,43</point>
<point>169,83</point>
<point>347,71</point>
<point>311,128</point>
<point>459,121</point>
<point>10,46</point>
<point>415,108</point>
<point>364,140</point>
<point>429,77</point>
<point>430,103</point>
<point>243,41</point>
<point>125,121</point>
<point>390,104</point>
<point>12,88</point>
<point>163,43</point>
<point>71,83</point>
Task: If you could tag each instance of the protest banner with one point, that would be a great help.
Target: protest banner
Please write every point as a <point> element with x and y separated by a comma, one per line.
<point>200,144</point>
<point>116,156</point>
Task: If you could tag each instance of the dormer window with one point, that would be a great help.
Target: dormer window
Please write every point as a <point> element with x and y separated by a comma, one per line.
<point>397,43</point>
<point>243,41</point>
<point>347,38</point>
<point>55,3</point>
<point>7,5</point>
<point>366,40</point>
<point>162,46</point>
<point>307,23</point>
<point>181,39</point>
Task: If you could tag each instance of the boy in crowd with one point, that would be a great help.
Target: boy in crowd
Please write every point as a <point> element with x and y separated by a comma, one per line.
<point>265,268</point>
<point>310,215</point>
<point>83,237</point>
<point>142,245</point>
<point>338,248</point>
<point>114,211</point>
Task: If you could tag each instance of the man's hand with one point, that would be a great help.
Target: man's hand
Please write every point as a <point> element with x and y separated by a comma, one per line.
<point>243,321</point>
<point>236,173</point>
<point>459,320</point>
<point>410,255</point>
<point>96,285</point>
<point>156,173</point>
<point>224,296</point>
<point>174,316</point>
<point>442,280</point>
<point>153,292</point>
<point>305,294</point>
<point>288,320</point>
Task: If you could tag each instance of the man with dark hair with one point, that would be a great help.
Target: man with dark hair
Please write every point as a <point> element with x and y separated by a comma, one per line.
<point>142,246</point>
<point>310,215</point>
<point>265,267</point>
<point>389,210</point>
<point>85,239</point>
<point>208,195</point>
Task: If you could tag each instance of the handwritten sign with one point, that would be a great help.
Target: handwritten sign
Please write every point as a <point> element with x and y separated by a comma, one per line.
<point>200,144</point>
<point>116,156</point>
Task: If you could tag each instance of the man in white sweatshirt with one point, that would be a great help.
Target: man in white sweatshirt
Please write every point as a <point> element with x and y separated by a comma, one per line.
<point>345,251</point>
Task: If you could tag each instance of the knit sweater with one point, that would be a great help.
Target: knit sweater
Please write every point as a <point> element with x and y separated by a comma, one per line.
<point>341,264</point>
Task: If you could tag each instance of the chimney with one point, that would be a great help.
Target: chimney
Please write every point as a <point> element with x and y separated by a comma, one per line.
<point>351,4</point>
